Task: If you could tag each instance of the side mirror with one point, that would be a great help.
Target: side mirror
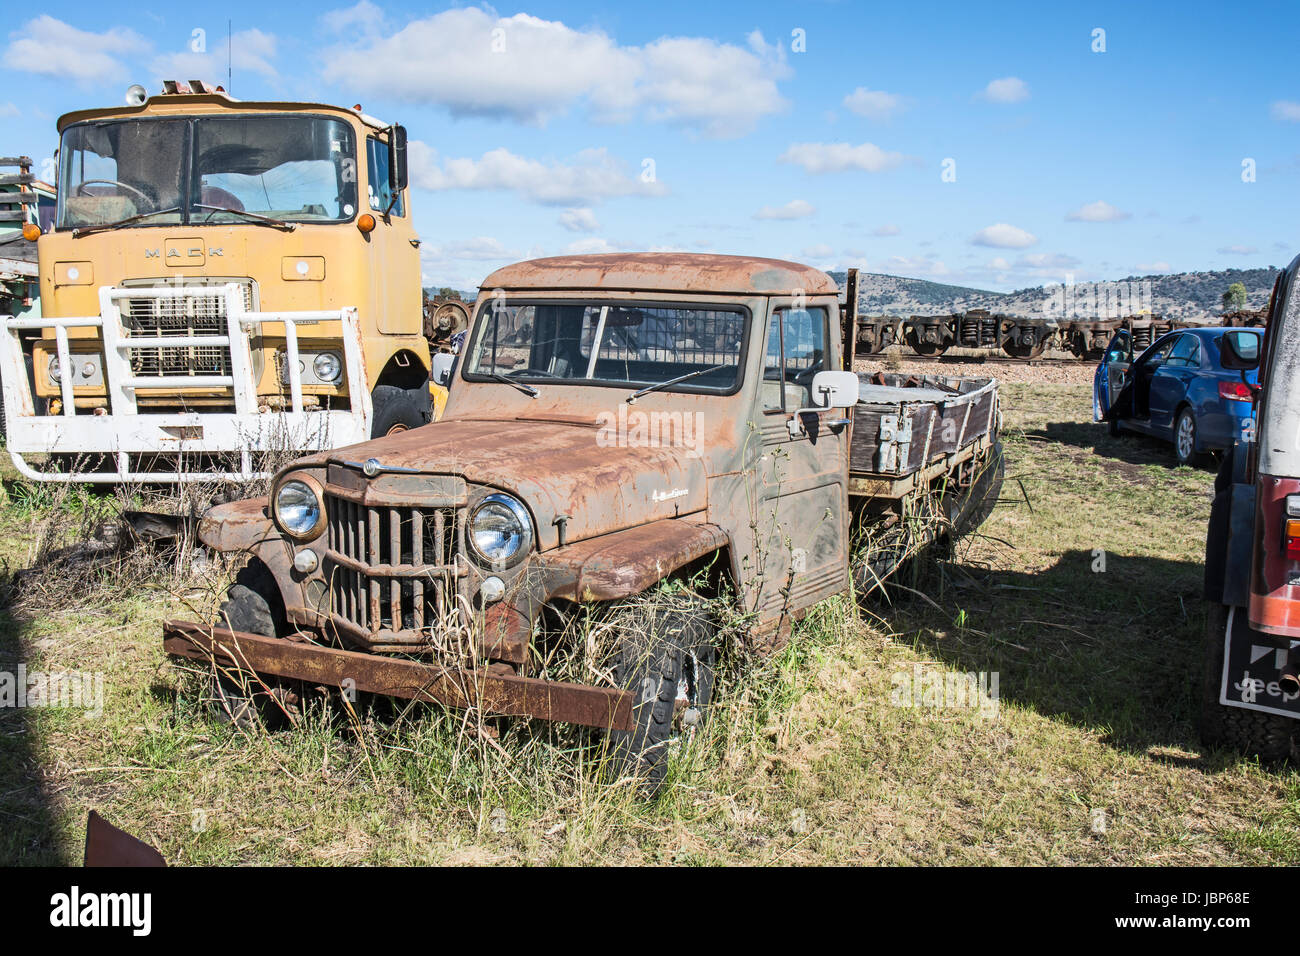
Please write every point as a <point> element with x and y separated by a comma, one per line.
<point>835,390</point>
<point>397,172</point>
<point>1239,350</point>
<point>443,362</point>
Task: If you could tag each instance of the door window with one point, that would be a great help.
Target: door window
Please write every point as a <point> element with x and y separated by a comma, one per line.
<point>796,351</point>
<point>1186,353</point>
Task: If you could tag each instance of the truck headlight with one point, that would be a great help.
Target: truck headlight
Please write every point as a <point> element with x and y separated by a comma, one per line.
<point>328,367</point>
<point>298,509</point>
<point>54,369</point>
<point>499,531</point>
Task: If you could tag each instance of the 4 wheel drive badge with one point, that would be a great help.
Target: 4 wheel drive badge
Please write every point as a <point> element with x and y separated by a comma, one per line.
<point>371,467</point>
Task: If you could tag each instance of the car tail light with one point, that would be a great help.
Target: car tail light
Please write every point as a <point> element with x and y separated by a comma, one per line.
<point>1293,506</point>
<point>1236,391</point>
<point>1291,539</point>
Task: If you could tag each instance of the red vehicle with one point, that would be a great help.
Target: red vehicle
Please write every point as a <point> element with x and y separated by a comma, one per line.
<point>1252,559</point>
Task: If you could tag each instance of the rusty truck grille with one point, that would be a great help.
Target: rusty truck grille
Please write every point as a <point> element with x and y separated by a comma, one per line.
<point>203,313</point>
<point>394,568</point>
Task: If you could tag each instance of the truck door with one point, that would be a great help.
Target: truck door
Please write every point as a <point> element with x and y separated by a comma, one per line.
<point>803,527</point>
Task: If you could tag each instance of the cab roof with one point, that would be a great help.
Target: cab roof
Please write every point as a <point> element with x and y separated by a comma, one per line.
<point>186,103</point>
<point>664,272</point>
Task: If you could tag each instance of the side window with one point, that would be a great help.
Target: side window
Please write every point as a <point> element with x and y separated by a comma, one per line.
<point>379,192</point>
<point>1161,353</point>
<point>796,351</point>
<point>1184,352</point>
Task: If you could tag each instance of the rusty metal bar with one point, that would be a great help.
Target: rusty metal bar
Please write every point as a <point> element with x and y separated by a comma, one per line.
<point>417,558</point>
<point>402,677</point>
<point>395,558</point>
<point>373,583</point>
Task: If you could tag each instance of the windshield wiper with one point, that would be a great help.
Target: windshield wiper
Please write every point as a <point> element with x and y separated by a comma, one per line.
<point>673,381</point>
<point>100,227</point>
<point>264,220</point>
<point>526,389</point>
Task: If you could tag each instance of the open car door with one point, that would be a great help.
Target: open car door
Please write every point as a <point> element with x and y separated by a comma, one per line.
<point>1109,379</point>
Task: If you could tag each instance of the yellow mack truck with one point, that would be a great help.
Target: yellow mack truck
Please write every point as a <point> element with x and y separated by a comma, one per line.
<point>224,281</point>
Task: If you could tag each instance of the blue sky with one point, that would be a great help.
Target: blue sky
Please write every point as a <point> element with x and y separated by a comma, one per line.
<point>555,127</point>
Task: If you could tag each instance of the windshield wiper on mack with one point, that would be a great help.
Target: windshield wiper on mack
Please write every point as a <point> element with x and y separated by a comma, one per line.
<point>262,220</point>
<point>673,381</point>
<point>101,226</point>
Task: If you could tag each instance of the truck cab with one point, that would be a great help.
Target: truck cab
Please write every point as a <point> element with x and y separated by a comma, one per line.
<point>223,280</point>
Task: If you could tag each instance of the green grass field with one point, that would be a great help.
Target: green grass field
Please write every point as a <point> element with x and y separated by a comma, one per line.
<point>1082,594</point>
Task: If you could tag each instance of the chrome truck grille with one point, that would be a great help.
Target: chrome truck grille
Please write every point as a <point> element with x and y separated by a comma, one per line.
<point>393,569</point>
<point>203,313</point>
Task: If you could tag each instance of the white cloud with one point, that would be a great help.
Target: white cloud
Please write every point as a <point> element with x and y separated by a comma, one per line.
<point>874,104</point>
<point>838,157</point>
<point>889,229</point>
<point>1045,262</point>
<point>1009,89</point>
<point>579,220</point>
<point>8,109</point>
<point>794,209</point>
<point>250,50</point>
<point>999,263</point>
<point>1237,250</point>
<point>1286,110</point>
<point>1004,236</point>
<point>524,68</point>
<point>1146,268</point>
<point>479,248</point>
<point>914,266</point>
<point>592,246</point>
<point>51,47</point>
<point>364,17</point>
<point>591,175</point>
<point>819,251</point>
<point>1099,211</point>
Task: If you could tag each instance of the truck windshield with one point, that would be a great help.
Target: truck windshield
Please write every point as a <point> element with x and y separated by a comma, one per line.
<point>609,344</point>
<point>204,170</point>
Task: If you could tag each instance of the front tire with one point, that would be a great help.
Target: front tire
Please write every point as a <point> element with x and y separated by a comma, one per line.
<point>398,409</point>
<point>1267,736</point>
<point>252,604</point>
<point>667,658</point>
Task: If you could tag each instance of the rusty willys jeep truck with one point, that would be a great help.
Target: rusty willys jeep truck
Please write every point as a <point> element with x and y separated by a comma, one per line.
<point>614,422</point>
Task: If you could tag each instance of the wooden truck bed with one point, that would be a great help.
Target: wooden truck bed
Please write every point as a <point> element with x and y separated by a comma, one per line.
<point>909,429</point>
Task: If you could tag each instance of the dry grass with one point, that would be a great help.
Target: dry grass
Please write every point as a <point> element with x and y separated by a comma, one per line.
<point>1092,756</point>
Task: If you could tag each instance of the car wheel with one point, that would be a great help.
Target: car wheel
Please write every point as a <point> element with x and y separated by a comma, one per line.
<point>398,409</point>
<point>253,605</point>
<point>1254,732</point>
<point>667,658</point>
<point>1185,438</point>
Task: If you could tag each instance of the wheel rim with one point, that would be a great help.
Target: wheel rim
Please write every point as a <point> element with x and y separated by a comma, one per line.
<point>1186,430</point>
<point>689,710</point>
<point>399,427</point>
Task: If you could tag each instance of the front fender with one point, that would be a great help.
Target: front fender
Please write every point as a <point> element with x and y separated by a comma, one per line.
<point>625,563</point>
<point>238,525</point>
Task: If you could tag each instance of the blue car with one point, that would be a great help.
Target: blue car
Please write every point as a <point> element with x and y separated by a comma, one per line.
<point>1177,390</point>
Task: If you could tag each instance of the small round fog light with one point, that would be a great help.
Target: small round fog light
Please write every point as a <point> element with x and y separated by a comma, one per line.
<point>305,561</point>
<point>493,589</point>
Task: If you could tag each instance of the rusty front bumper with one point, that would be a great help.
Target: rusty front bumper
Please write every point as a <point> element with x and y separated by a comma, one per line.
<point>399,677</point>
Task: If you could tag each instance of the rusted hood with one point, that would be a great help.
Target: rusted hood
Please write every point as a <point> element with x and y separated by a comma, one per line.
<point>554,468</point>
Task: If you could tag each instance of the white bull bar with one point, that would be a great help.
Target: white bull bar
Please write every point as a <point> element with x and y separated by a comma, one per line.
<point>125,433</point>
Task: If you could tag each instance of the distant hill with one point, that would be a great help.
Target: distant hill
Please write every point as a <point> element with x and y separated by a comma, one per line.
<point>1182,295</point>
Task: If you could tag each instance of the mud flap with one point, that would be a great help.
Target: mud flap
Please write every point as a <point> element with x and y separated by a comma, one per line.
<point>1257,669</point>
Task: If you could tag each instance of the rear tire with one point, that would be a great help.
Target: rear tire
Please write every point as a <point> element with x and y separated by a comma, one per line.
<point>1185,438</point>
<point>1267,736</point>
<point>668,662</point>
<point>399,409</point>
<point>970,510</point>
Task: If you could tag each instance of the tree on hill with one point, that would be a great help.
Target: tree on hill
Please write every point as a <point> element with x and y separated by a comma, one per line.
<point>1234,300</point>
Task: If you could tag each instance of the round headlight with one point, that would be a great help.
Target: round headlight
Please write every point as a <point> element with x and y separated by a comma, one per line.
<point>298,509</point>
<point>54,368</point>
<point>499,531</point>
<point>328,367</point>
